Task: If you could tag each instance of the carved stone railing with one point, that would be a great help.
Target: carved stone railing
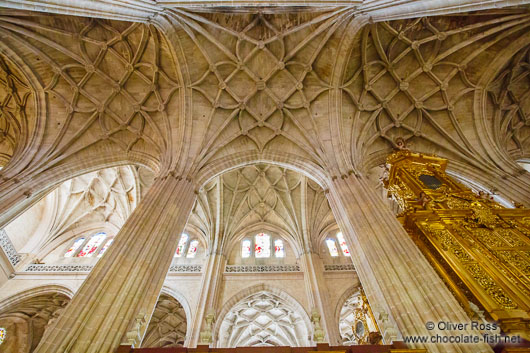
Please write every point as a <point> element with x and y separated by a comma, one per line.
<point>348,267</point>
<point>9,249</point>
<point>185,268</point>
<point>261,268</point>
<point>58,268</point>
<point>88,268</point>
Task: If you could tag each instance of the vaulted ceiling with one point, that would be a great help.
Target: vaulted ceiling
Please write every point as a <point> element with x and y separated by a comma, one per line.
<point>193,90</point>
<point>262,197</point>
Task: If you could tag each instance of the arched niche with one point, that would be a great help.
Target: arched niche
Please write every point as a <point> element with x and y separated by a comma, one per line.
<point>27,315</point>
<point>168,326</point>
<point>263,316</point>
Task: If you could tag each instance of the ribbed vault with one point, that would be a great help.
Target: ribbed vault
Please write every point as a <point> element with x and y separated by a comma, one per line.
<point>266,195</point>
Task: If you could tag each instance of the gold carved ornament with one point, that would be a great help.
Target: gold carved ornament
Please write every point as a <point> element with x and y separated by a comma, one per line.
<point>479,248</point>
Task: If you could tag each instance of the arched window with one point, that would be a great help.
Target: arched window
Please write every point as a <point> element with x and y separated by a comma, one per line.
<point>105,247</point>
<point>3,333</point>
<point>181,245</point>
<point>192,250</point>
<point>331,243</point>
<point>89,246</point>
<point>342,244</point>
<point>185,246</point>
<point>76,245</point>
<point>263,244</point>
<point>92,245</point>
<point>245,248</point>
<point>332,247</point>
<point>278,248</point>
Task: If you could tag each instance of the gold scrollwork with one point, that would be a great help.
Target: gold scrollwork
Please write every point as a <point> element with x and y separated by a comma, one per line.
<point>490,286</point>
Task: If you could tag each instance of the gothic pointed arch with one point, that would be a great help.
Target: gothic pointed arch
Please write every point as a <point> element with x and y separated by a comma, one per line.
<point>263,315</point>
<point>27,315</point>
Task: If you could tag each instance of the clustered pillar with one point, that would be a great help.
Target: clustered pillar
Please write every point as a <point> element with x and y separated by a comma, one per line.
<point>119,295</point>
<point>318,295</point>
<point>401,286</point>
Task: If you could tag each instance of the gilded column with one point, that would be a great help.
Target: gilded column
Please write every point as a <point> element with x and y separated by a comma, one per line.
<point>400,285</point>
<point>120,293</point>
<point>317,293</point>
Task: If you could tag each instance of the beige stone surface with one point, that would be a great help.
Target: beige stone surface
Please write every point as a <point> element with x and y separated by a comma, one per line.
<point>252,120</point>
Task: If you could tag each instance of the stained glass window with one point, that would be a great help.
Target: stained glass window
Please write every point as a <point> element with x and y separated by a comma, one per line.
<point>182,243</point>
<point>343,245</point>
<point>192,250</point>
<point>74,247</point>
<point>262,245</point>
<point>3,333</point>
<point>105,247</point>
<point>92,245</point>
<point>278,248</point>
<point>332,246</point>
<point>245,248</point>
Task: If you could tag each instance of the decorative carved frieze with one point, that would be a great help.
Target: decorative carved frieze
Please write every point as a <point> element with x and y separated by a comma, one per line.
<point>9,249</point>
<point>88,268</point>
<point>262,268</point>
<point>185,268</point>
<point>333,267</point>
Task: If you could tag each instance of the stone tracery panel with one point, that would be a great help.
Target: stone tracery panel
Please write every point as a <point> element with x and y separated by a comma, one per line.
<point>106,83</point>
<point>263,319</point>
<point>261,194</point>
<point>17,110</point>
<point>98,199</point>
<point>168,325</point>
<point>510,97</point>
<point>26,321</point>
<point>416,79</point>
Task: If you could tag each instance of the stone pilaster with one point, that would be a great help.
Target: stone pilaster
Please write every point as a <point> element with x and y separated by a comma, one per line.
<point>125,283</point>
<point>400,285</point>
<point>317,294</point>
<point>212,278</point>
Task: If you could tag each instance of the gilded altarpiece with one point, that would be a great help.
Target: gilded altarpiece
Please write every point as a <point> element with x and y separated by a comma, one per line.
<point>480,248</point>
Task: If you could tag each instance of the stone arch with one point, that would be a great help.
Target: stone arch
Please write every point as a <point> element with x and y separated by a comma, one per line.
<point>101,200</point>
<point>32,189</point>
<point>342,299</point>
<point>20,157</point>
<point>286,160</point>
<point>351,313</point>
<point>256,228</point>
<point>167,326</point>
<point>265,293</point>
<point>501,157</point>
<point>28,314</point>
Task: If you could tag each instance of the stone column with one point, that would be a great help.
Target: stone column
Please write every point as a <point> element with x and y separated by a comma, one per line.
<point>126,282</point>
<point>317,293</point>
<point>18,193</point>
<point>212,278</point>
<point>400,285</point>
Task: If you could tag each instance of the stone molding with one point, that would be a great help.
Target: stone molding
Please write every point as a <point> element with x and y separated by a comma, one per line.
<point>88,268</point>
<point>261,268</point>
<point>334,267</point>
<point>185,268</point>
<point>9,248</point>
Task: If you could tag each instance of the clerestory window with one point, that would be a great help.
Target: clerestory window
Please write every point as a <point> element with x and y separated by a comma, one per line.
<point>186,246</point>
<point>331,243</point>
<point>263,247</point>
<point>93,246</point>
